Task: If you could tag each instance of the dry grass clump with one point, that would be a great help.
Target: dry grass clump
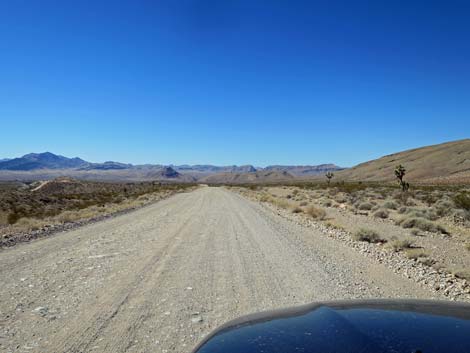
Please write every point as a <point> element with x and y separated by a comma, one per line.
<point>463,273</point>
<point>281,203</point>
<point>391,205</point>
<point>416,254</point>
<point>334,225</point>
<point>421,223</point>
<point>296,209</point>
<point>315,212</point>
<point>365,206</point>
<point>462,201</point>
<point>303,203</point>
<point>416,232</point>
<point>381,214</point>
<point>467,246</point>
<point>367,235</point>
<point>399,245</point>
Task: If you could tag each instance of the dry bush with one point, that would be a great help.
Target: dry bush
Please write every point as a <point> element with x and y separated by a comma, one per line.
<point>367,235</point>
<point>326,202</point>
<point>365,206</point>
<point>296,209</point>
<point>334,225</point>
<point>29,224</point>
<point>265,198</point>
<point>399,245</point>
<point>315,212</point>
<point>402,210</point>
<point>462,201</point>
<point>303,203</point>
<point>415,254</point>
<point>416,232</point>
<point>381,214</point>
<point>467,246</point>
<point>463,273</point>
<point>281,203</point>
<point>421,223</point>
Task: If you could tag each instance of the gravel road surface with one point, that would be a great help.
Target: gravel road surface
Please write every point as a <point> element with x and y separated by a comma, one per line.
<point>160,278</point>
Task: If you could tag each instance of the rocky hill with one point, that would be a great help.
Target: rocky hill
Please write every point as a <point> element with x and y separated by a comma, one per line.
<point>449,162</point>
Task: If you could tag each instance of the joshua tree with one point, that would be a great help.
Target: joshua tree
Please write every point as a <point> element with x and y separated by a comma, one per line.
<point>400,172</point>
<point>329,175</point>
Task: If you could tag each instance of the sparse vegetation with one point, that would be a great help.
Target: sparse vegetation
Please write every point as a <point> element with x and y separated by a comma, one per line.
<point>31,207</point>
<point>367,235</point>
<point>463,273</point>
<point>399,245</point>
<point>365,206</point>
<point>462,200</point>
<point>421,223</point>
<point>315,212</point>
<point>416,254</point>
<point>381,214</point>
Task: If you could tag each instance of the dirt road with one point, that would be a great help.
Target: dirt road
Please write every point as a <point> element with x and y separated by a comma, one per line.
<point>160,278</point>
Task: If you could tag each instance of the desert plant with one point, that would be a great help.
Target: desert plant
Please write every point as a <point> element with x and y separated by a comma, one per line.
<point>315,212</point>
<point>464,274</point>
<point>365,206</point>
<point>367,235</point>
<point>391,205</point>
<point>467,246</point>
<point>421,223</point>
<point>399,245</point>
<point>381,214</point>
<point>296,209</point>
<point>462,201</point>
<point>329,176</point>
<point>334,225</point>
<point>415,254</point>
<point>400,172</point>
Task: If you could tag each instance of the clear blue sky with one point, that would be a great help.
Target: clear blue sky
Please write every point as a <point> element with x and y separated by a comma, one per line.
<point>232,82</point>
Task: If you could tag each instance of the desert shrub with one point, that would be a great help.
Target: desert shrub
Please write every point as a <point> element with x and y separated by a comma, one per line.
<point>462,201</point>
<point>265,198</point>
<point>281,203</point>
<point>365,206</point>
<point>341,198</point>
<point>443,207</point>
<point>333,225</point>
<point>13,217</point>
<point>381,214</point>
<point>303,203</point>
<point>415,254</point>
<point>295,192</point>
<point>402,210</point>
<point>289,196</point>
<point>315,212</point>
<point>391,205</point>
<point>399,245</point>
<point>296,209</point>
<point>416,232</point>
<point>326,203</point>
<point>29,223</point>
<point>421,223</point>
<point>367,235</point>
<point>428,214</point>
<point>464,274</point>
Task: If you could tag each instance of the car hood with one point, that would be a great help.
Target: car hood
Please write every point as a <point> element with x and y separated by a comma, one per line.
<point>348,326</point>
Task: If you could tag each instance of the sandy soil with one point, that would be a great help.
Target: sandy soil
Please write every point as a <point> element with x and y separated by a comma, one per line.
<point>160,278</point>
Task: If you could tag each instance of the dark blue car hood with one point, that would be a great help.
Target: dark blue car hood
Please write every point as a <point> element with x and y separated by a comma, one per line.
<point>355,326</point>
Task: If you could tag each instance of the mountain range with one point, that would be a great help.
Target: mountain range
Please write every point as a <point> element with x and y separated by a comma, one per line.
<point>48,165</point>
<point>442,163</point>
